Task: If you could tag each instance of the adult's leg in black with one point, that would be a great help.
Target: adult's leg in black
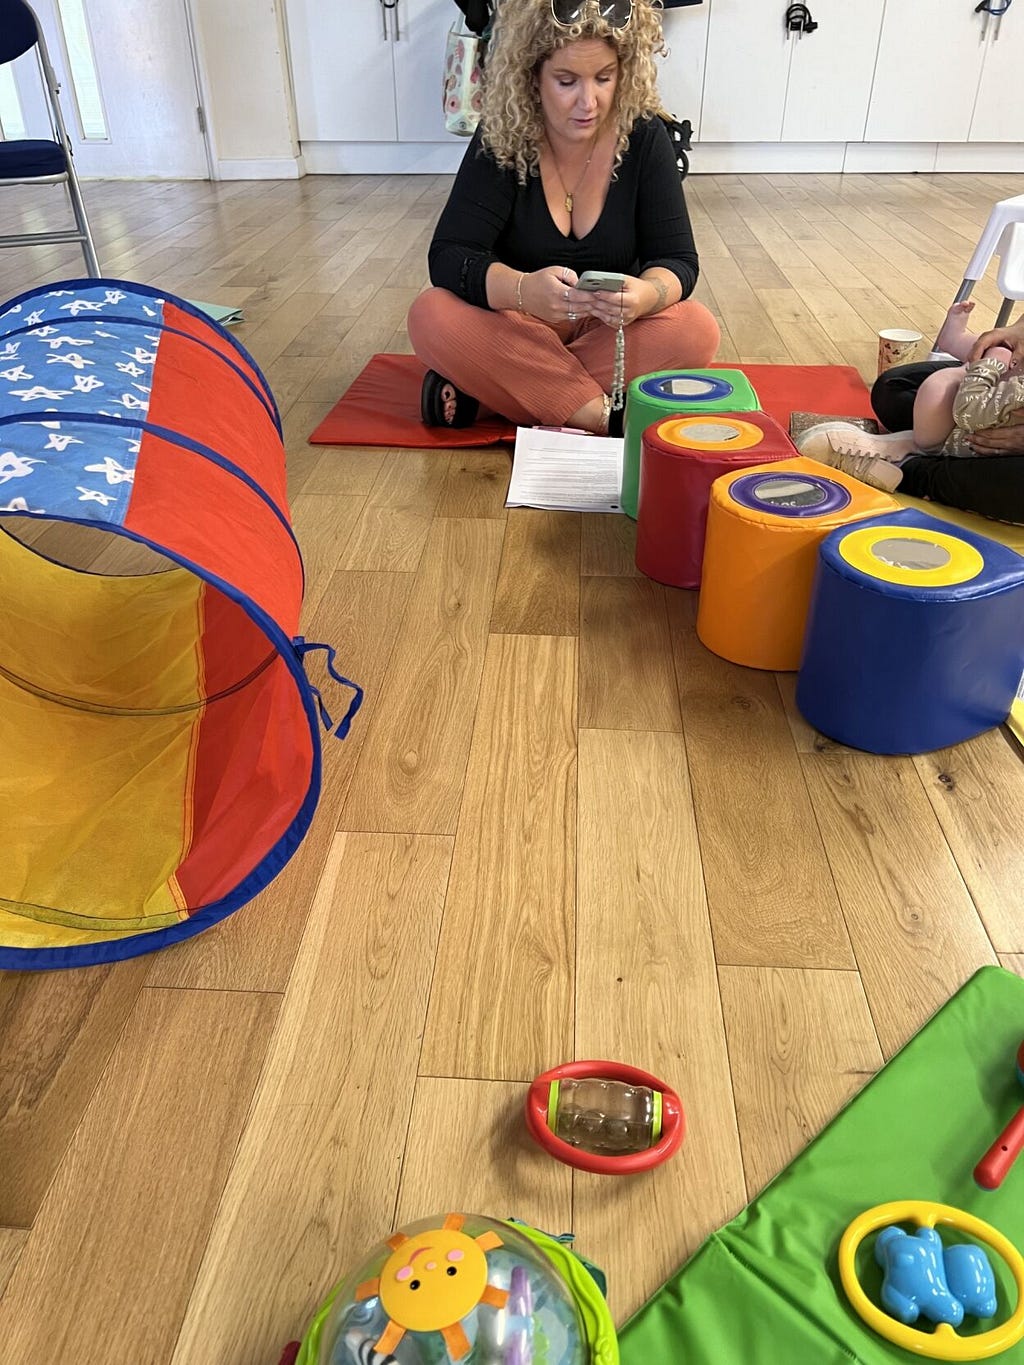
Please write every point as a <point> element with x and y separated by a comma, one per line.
<point>992,485</point>
<point>894,391</point>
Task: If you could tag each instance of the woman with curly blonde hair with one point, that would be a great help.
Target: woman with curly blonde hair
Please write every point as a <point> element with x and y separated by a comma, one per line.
<point>571,171</point>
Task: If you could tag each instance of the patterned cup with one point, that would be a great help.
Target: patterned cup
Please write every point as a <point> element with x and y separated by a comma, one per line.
<point>897,346</point>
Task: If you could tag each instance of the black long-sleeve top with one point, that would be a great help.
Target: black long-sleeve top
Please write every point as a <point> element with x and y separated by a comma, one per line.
<point>490,217</point>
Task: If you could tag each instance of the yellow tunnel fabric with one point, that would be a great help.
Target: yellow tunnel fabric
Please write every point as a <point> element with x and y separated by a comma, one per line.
<point>100,698</point>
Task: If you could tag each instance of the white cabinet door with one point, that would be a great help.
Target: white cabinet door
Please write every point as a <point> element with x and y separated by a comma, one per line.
<point>831,71</point>
<point>746,72</point>
<point>929,63</point>
<point>681,73</point>
<point>999,108</point>
<point>419,68</point>
<point>343,71</point>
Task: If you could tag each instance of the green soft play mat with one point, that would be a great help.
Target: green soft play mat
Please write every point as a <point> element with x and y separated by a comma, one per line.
<point>764,1290</point>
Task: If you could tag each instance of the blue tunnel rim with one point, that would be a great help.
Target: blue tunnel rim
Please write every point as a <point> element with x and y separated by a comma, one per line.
<point>140,942</point>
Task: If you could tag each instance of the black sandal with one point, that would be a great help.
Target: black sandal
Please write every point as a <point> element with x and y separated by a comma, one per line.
<point>443,405</point>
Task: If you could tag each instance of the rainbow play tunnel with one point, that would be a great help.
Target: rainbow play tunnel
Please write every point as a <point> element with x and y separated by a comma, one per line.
<point>161,741</point>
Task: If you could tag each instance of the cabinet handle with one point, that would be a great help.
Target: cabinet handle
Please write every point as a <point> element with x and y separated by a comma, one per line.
<point>798,20</point>
<point>385,6</point>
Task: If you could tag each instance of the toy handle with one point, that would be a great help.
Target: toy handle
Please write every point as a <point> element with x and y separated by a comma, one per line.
<point>991,1170</point>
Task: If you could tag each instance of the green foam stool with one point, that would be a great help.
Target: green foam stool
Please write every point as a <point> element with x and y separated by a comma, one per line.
<point>675,393</point>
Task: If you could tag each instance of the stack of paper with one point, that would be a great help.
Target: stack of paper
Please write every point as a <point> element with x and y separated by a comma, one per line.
<point>565,471</point>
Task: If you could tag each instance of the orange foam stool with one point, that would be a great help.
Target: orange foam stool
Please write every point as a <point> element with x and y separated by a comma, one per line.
<point>764,529</point>
<point>681,457</point>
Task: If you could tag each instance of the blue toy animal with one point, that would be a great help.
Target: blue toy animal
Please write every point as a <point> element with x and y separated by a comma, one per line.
<point>914,1284</point>
<point>970,1279</point>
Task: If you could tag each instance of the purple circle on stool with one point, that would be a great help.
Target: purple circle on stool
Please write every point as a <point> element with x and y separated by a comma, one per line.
<point>697,388</point>
<point>789,495</point>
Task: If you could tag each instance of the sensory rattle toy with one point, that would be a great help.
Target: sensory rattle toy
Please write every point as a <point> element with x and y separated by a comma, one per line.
<point>924,1279</point>
<point>464,1288</point>
<point>604,1117</point>
<point>993,1167</point>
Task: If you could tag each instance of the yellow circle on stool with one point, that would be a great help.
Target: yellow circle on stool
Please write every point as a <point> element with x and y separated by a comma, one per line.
<point>710,432</point>
<point>911,555</point>
<point>943,1343</point>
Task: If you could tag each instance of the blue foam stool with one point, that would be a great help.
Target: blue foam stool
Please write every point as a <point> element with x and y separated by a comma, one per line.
<point>915,635</point>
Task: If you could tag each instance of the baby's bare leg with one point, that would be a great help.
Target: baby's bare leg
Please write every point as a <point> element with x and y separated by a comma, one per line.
<point>933,407</point>
<point>954,338</point>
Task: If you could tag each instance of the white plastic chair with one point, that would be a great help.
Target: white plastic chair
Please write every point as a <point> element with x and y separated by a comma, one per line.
<point>1003,236</point>
<point>41,162</point>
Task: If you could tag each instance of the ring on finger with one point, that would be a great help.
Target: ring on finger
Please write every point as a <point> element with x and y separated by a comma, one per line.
<point>572,316</point>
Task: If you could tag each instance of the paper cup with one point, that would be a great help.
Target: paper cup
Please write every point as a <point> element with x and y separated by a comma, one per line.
<point>897,346</point>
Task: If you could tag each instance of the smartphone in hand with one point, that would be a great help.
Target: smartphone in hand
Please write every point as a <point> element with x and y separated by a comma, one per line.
<point>601,279</point>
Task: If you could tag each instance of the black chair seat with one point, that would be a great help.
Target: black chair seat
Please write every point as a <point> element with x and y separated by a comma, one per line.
<point>23,160</point>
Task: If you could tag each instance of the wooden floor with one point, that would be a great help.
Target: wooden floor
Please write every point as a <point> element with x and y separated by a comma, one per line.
<point>559,828</point>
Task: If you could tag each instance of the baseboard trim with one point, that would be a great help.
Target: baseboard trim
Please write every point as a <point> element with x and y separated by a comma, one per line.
<point>261,168</point>
<point>708,158</point>
<point>384,158</point>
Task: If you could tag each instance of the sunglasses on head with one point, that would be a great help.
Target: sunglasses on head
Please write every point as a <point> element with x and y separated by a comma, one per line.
<point>615,13</point>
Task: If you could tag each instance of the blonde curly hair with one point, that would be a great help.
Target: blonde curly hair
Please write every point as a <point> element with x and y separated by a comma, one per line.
<point>525,36</point>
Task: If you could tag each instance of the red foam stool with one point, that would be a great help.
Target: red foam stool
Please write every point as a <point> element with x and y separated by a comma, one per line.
<point>680,459</point>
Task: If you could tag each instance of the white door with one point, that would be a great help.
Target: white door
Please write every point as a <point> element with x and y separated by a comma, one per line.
<point>746,73</point>
<point>831,71</point>
<point>129,91</point>
<point>999,108</point>
<point>929,62</point>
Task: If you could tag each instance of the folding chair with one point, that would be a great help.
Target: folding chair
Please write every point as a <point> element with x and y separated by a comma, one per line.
<point>41,162</point>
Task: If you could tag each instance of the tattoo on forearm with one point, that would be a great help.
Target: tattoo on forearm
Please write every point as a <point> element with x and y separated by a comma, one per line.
<point>661,289</point>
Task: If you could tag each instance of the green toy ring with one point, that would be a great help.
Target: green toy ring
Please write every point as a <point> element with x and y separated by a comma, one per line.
<point>943,1343</point>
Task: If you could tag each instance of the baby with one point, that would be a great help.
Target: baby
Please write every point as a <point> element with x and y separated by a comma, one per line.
<point>950,405</point>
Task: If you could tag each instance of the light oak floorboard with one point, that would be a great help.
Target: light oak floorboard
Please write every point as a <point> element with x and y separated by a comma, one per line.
<point>1013,962</point>
<point>395,521</point>
<point>145,1170</point>
<point>508,934</point>
<point>12,1240</point>
<point>984,835</point>
<point>770,889</point>
<point>916,934</point>
<point>801,1044</point>
<point>647,991</point>
<point>315,1176</point>
<point>413,762</point>
<point>477,484</point>
<point>627,680</point>
<point>502,1172</point>
<point>608,546</point>
<point>57,1031</point>
<point>538,590</point>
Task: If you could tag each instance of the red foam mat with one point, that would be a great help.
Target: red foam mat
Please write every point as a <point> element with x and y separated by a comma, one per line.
<point>382,408</point>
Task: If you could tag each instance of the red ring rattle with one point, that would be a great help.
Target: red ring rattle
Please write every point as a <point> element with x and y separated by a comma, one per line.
<point>605,1117</point>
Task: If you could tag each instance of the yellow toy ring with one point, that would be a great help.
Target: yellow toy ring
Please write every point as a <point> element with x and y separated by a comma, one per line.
<point>943,1343</point>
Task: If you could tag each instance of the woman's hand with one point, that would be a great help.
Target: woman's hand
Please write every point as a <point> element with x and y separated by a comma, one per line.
<point>1007,440</point>
<point>548,294</point>
<point>1013,337</point>
<point>634,300</point>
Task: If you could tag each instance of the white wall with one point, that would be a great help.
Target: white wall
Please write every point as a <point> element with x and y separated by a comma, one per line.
<point>247,88</point>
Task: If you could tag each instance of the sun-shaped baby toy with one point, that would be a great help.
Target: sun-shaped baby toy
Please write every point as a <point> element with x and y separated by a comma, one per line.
<point>431,1282</point>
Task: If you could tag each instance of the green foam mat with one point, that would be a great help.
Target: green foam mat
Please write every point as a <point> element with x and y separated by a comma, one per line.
<point>765,1288</point>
